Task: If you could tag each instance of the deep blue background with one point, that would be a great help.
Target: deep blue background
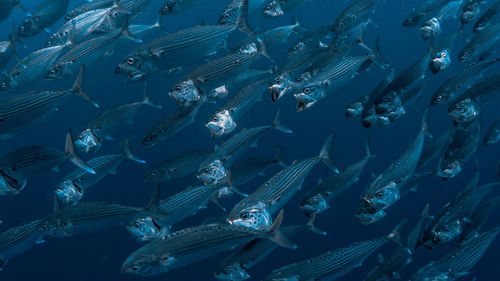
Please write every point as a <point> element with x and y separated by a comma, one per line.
<point>99,256</point>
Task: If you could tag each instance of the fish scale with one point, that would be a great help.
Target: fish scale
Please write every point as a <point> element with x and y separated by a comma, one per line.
<point>241,101</point>
<point>16,234</point>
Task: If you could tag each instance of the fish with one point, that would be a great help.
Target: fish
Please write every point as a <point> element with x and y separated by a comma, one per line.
<point>470,229</point>
<point>71,188</point>
<point>333,264</point>
<point>317,200</point>
<point>235,267</point>
<point>458,262</point>
<point>7,6</point>
<point>157,223</point>
<point>230,13</point>
<point>17,240</point>
<point>210,76</point>
<point>245,171</point>
<point>463,143</point>
<point>194,244</point>
<point>104,125</point>
<point>493,133</point>
<point>86,7</point>
<point>481,44</point>
<point>173,123</point>
<point>171,7</point>
<point>383,191</point>
<point>450,89</point>
<point>178,166</point>
<point>7,51</point>
<point>223,121</point>
<point>431,28</point>
<point>470,11</point>
<point>255,210</point>
<point>358,12</point>
<point>88,52</point>
<point>432,150</point>
<point>423,11</point>
<point>185,47</point>
<point>27,161</point>
<point>441,59</point>
<point>213,170</point>
<point>29,109</point>
<point>42,17</point>
<point>486,19</point>
<point>277,8</point>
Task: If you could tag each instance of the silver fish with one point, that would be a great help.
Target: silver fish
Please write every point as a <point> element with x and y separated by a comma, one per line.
<point>86,7</point>
<point>486,19</point>
<point>245,171</point>
<point>255,211</point>
<point>18,240</point>
<point>470,11</point>
<point>42,17</point>
<point>481,44</point>
<point>194,244</point>
<point>277,8</point>
<point>26,110</point>
<point>493,133</point>
<point>104,125</point>
<point>434,149</point>
<point>26,161</point>
<point>356,13</point>
<point>424,11</point>
<point>177,6</point>
<point>470,230</point>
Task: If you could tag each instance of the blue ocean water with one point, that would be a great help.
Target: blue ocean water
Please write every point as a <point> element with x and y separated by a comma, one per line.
<point>98,256</point>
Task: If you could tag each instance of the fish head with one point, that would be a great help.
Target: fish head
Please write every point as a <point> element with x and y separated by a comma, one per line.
<point>480,26</point>
<point>255,217</point>
<point>10,186</point>
<point>430,29</point>
<point>273,9</point>
<point>354,109</point>
<point>55,72</point>
<point>146,264</point>
<point>314,205</point>
<point>449,170</point>
<point>442,96</point>
<point>280,86</point>
<point>221,123</point>
<point>88,142</point>
<point>29,27</point>
<point>465,111</point>
<point>185,93</point>
<point>446,232</point>
<point>367,217</point>
<point>392,115</point>
<point>68,192</point>
<point>57,227</point>
<point>137,67</point>
<point>471,13</point>
<point>309,96</point>
<point>468,52</point>
<point>7,83</point>
<point>170,7</point>
<point>385,196</point>
<point>213,174</point>
<point>145,229</point>
<point>440,62</point>
<point>219,92</point>
<point>412,19</point>
<point>232,272</point>
<point>150,139</point>
<point>231,13</point>
<point>156,175</point>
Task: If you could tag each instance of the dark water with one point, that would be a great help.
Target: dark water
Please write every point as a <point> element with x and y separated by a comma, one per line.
<point>99,256</point>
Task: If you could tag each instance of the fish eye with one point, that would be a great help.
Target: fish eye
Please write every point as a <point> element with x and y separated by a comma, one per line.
<point>3,85</point>
<point>178,89</point>
<point>446,229</point>
<point>206,170</point>
<point>439,98</point>
<point>379,194</point>
<point>21,28</point>
<point>276,81</point>
<point>215,119</point>
<point>226,15</point>
<point>44,227</point>
<point>307,90</point>
<point>135,268</point>
<point>341,24</point>
<point>52,71</point>
<point>130,60</point>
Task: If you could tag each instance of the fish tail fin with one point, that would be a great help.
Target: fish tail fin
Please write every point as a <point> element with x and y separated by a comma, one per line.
<point>298,28</point>
<point>77,88</point>
<point>129,153</point>
<point>375,56</point>
<point>277,124</point>
<point>69,41</point>
<point>425,212</point>
<point>324,154</point>
<point>242,22</point>
<point>155,198</point>
<point>310,225</point>
<point>369,153</point>
<point>279,156</point>
<point>231,186</point>
<point>395,234</point>
<point>73,157</point>
<point>263,49</point>
<point>277,236</point>
<point>146,99</point>
<point>126,33</point>
<point>425,124</point>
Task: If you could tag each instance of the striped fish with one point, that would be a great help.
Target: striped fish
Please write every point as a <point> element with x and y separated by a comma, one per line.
<point>245,171</point>
<point>424,11</point>
<point>458,262</point>
<point>231,150</point>
<point>107,123</point>
<point>178,49</point>
<point>214,74</point>
<point>87,7</point>
<point>193,244</point>
<point>277,8</point>
<point>42,17</point>
<point>6,53</point>
<point>26,161</point>
<point>26,110</point>
<point>235,266</point>
<point>470,11</point>
<point>171,124</point>
<point>317,200</point>
<point>358,12</point>
<point>88,52</point>
<point>179,166</point>
<point>485,20</point>
<point>471,229</point>
<point>333,264</point>
<point>171,7</point>
<point>223,121</point>
<point>86,217</point>
<point>484,42</point>
<point>451,88</point>
<point>71,188</point>
<point>255,211</point>
<point>167,212</point>
<point>433,149</point>
<point>18,240</point>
